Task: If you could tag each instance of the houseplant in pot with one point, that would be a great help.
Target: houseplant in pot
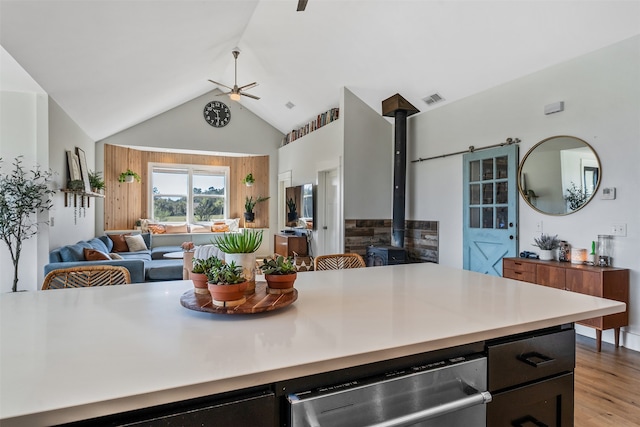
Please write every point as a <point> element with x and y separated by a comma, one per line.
<point>226,284</point>
<point>547,245</point>
<point>248,180</point>
<point>249,205</point>
<point>240,248</point>
<point>198,273</point>
<point>96,182</point>
<point>280,274</point>
<point>129,176</point>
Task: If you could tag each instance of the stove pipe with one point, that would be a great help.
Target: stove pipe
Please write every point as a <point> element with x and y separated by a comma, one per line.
<point>399,108</point>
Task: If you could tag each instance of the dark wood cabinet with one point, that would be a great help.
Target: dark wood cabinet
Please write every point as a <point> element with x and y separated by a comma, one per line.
<point>530,379</point>
<point>287,244</point>
<point>605,282</point>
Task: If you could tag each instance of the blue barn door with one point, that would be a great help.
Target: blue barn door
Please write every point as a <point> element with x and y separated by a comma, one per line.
<point>490,207</point>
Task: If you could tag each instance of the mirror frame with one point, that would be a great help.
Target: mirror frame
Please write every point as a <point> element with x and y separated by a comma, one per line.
<point>532,149</point>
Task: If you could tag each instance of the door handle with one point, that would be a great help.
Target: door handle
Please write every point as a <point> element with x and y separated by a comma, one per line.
<point>511,237</point>
<point>535,359</point>
<point>324,227</point>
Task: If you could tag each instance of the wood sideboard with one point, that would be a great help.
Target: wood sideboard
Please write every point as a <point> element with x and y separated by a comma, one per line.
<point>605,282</point>
<point>287,244</point>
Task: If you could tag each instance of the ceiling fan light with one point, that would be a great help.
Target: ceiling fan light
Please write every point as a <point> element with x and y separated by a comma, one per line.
<point>234,96</point>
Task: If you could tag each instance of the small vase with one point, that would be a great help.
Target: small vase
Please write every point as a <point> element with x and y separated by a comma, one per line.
<point>546,254</point>
<point>280,283</point>
<point>199,282</point>
<point>227,295</point>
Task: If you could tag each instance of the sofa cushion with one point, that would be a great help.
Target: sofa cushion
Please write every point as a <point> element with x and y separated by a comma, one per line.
<point>94,255</point>
<point>71,253</point>
<point>98,245</point>
<point>135,243</point>
<point>163,269</point>
<point>159,251</point>
<point>119,243</point>
<point>199,228</point>
<point>143,255</point>
<point>107,242</point>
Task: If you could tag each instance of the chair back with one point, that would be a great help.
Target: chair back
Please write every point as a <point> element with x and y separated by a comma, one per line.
<point>80,277</point>
<point>338,261</point>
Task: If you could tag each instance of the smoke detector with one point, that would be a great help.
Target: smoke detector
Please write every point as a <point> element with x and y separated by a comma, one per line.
<point>432,99</point>
<point>289,105</point>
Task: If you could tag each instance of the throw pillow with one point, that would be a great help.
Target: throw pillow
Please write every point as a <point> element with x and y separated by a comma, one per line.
<point>135,243</point>
<point>198,228</point>
<point>175,228</point>
<point>156,228</point>
<point>95,255</point>
<point>114,255</point>
<point>234,224</point>
<point>219,227</point>
<point>119,243</point>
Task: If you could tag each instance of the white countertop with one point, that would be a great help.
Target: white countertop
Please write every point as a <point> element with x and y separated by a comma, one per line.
<point>78,353</point>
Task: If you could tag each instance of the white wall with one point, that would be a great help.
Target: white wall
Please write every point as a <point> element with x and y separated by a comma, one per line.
<point>601,91</point>
<point>23,132</point>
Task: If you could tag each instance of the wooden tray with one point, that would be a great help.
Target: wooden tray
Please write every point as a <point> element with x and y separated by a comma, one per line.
<point>259,302</point>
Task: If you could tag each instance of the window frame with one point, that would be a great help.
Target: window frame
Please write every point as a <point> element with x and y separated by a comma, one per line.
<point>190,169</point>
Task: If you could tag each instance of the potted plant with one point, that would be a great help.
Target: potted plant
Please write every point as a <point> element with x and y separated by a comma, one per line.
<point>22,195</point>
<point>240,248</point>
<point>248,180</point>
<point>249,205</point>
<point>226,284</point>
<point>198,273</point>
<point>547,244</point>
<point>96,182</point>
<point>280,274</point>
<point>291,205</point>
<point>129,176</point>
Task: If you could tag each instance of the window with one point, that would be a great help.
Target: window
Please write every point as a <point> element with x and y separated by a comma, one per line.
<point>188,193</point>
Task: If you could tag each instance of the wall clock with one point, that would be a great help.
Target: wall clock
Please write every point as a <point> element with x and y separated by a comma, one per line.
<point>217,114</point>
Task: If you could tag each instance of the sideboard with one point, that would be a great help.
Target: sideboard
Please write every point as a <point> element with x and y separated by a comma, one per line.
<point>605,282</point>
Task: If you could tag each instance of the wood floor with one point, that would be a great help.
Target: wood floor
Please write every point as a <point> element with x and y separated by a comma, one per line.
<point>607,385</point>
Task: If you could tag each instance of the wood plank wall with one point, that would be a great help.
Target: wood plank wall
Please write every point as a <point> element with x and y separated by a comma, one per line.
<point>125,203</point>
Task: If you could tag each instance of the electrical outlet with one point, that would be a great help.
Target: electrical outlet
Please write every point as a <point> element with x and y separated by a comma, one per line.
<point>539,227</point>
<point>619,229</point>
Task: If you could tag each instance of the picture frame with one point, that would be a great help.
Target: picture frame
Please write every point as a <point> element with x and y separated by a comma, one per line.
<point>84,170</point>
<point>74,166</point>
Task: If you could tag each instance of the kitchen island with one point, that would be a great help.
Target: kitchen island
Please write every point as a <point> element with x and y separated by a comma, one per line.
<point>74,354</point>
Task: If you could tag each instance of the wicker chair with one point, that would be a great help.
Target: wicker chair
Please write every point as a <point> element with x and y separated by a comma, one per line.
<point>338,262</point>
<point>80,277</point>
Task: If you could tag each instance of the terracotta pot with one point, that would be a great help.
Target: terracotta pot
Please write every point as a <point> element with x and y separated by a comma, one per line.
<point>227,293</point>
<point>199,282</point>
<point>280,283</point>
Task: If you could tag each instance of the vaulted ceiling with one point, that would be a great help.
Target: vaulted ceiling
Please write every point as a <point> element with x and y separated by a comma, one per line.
<point>113,64</point>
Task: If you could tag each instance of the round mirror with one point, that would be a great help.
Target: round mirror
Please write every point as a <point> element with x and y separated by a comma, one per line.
<point>559,175</point>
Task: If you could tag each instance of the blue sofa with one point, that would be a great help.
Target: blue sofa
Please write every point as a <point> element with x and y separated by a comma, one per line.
<point>144,266</point>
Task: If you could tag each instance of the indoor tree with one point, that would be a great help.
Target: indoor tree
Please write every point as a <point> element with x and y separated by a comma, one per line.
<point>23,194</point>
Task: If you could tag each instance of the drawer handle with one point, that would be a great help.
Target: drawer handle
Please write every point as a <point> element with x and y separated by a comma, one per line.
<point>535,359</point>
<point>527,422</point>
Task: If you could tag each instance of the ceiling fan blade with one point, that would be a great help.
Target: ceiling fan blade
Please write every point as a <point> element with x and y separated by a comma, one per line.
<point>302,4</point>
<point>220,84</point>
<point>249,86</point>
<point>249,95</point>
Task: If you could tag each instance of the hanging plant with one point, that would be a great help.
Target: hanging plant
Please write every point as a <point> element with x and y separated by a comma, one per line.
<point>248,180</point>
<point>129,176</point>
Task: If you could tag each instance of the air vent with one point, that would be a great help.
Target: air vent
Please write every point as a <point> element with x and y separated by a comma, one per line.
<point>432,99</point>
<point>289,105</point>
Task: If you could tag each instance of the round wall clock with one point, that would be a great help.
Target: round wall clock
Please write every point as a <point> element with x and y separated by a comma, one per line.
<point>217,114</point>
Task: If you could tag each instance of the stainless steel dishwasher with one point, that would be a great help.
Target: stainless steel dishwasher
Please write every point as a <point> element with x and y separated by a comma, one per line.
<point>449,393</point>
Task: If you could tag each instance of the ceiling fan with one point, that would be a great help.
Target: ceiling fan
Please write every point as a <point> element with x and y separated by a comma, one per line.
<point>235,91</point>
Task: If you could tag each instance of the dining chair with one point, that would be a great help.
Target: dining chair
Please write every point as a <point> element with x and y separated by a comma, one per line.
<point>91,275</point>
<point>338,261</point>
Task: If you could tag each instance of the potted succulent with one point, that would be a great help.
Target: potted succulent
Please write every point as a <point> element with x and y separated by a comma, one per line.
<point>249,205</point>
<point>240,248</point>
<point>291,205</point>
<point>96,182</point>
<point>248,180</point>
<point>226,284</point>
<point>129,176</point>
<point>547,245</point>
<point>198,273</point>
<point>280,274</point>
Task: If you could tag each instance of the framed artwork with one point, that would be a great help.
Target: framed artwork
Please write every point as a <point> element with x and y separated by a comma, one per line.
<point>74,166</point>
<point>84,171</point>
